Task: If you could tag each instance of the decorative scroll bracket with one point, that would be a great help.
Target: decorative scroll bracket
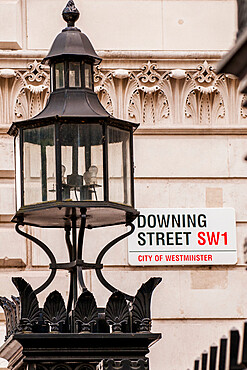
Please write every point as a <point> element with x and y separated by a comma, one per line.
<point>76,264</point>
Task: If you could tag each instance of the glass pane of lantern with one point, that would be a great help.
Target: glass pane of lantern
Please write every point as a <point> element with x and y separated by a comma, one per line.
<point>82,162</point>
<point>39,165</point>
<point>119,166</point>
<point>88,76</point>
<point>74,74</point>
<point>59,73</point>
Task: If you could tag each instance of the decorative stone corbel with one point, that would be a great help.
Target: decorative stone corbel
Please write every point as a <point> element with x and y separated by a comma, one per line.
<point>7,73</point>
<point>121,73</point>
<point>178,74</point>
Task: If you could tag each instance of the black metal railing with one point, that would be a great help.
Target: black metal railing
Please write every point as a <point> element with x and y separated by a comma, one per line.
<point>231,354</point>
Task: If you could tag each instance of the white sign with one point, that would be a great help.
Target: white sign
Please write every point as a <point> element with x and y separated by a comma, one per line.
<point>173,236</point>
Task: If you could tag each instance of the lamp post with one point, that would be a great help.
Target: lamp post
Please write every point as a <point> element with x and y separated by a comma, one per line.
<point>235,60</point>
<point>74,170</point>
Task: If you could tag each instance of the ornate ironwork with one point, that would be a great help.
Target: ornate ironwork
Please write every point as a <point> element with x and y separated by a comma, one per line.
<point>101,255</point>
<point>76,264</point>
<point>54,312</point>
<point>219,356</point>
<point>117,312</point>
<point>46,250</point>
<point>86,312</point>
<point>126,364</point>
<point>29,305</point>
<point>65,366</point>
<point>141,313</point>
<point>86,317</point>
<point>10,315</point>
<point>128,320</point>
<point>17,303</point>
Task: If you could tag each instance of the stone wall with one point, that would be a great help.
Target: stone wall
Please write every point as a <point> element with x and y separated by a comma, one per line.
<point>158,68</point>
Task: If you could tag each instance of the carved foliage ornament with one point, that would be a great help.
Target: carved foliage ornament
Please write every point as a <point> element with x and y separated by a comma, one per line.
<point>157,98</point>
<point>32,91</point>
<point>204,102</point>
<point>149,95</point>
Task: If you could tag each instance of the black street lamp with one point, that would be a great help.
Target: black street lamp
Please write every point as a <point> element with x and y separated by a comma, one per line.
<point>83,155</point>
<point>234,61</point>
<point>74,170</point>
<point>74,161</point>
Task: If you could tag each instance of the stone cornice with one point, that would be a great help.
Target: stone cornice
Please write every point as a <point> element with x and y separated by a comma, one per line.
<point>19,58</point>
<point>122,54</point>
<point>161,54</point>
<point>235,131</point>
<point>128,59</point>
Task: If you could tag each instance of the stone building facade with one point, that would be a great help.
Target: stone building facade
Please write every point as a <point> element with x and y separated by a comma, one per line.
<point>159,59</point>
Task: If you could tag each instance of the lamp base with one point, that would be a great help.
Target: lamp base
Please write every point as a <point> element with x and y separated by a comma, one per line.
<point>88,338</point>
<point>71,351</point>
<point>60,214</point>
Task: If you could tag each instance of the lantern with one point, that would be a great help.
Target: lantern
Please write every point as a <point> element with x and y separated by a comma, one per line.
<point>73,157</point>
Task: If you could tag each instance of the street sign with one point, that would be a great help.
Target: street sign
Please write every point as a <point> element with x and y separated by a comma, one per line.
<point>186,236</point>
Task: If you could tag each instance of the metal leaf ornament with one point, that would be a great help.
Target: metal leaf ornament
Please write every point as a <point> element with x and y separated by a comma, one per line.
<point>86,312</point>
<point>29,304</point>
<point>10,315</point>
<point>117,311</point>
<point>54,311</point>
<point>141,312</point>
<point>17,302</point>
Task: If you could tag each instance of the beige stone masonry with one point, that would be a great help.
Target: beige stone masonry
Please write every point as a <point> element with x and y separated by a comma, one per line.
<point>158,69</point>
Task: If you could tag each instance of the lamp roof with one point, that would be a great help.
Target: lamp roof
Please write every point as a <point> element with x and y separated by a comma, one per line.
<point>71,41</point>
<point>73,104</point>
<point>67,103</point>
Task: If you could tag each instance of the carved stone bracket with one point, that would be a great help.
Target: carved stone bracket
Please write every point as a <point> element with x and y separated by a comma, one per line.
<point>150,94</point>
<point>165,98</point>
<point>33,86</point>
<point>23,93</point>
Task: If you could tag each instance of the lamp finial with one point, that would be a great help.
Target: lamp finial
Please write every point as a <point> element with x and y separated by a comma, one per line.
<point>70,13</point>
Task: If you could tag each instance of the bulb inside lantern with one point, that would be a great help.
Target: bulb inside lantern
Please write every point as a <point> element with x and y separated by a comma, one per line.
<point>63,174</point>
<point>87,177</point>
<point>90,175</point>
<point>93,170</point>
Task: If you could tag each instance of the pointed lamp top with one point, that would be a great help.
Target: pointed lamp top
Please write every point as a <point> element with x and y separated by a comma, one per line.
<point>70,13</point>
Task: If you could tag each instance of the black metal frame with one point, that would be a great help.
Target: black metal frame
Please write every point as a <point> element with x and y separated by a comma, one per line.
<point>76,264</point>
<point>79,352</point>
<point>66,62</point>
<point>127,208</point>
